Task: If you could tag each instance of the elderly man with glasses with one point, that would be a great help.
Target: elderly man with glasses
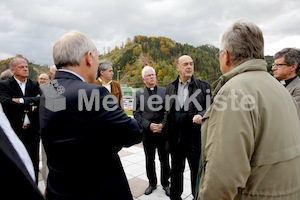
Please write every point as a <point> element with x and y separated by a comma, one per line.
<point>250,132</point>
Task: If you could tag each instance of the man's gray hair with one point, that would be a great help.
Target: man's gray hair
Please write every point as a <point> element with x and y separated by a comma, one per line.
<point>147,68</point>
<point>70,48</point>
<point>53,69</point>
<point>291,56</point>
<point>6,74</point>
<point>12,62</point>
<point>103,65</point>
<point>244,41</point>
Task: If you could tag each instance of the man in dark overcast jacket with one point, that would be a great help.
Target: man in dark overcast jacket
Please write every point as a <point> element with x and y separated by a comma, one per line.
<point>81,130</point>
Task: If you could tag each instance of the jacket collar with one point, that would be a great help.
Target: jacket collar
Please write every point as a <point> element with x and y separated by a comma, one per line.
<point>176,81</point>
<point>66,71</point>
<point>250,65</point>
<point>67,74</point>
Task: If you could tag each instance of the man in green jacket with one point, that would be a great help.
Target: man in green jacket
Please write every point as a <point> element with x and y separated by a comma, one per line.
<point>251,132</point>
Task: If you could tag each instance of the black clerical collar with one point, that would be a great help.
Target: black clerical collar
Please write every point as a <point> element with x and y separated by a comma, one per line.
<point>288,81</point>
<point>152,89</point>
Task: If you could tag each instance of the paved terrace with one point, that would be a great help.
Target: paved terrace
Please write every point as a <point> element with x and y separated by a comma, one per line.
<point>133,160</point>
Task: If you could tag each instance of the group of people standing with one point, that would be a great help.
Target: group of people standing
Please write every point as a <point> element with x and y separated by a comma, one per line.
<point>171,118</point>
<point>238,139</point>
<point>174,128</point>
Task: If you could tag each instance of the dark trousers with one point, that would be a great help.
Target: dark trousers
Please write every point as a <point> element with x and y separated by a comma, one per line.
<point>150,146</point>
<point>30,138</point>
<point>178,157</point>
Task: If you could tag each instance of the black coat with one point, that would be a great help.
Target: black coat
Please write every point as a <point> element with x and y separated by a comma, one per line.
<point>145,114</point>
<point>80,138</point>
<point>174,136</point>
<point>16,112</point>
<point>15,181</point>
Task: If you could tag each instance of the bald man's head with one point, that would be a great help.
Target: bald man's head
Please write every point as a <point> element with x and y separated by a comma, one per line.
<point>43,79</point>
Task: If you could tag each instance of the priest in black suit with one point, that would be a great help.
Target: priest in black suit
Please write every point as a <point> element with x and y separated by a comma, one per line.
<point>149,112</point>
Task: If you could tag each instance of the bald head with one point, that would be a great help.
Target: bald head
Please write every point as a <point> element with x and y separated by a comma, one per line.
<point>43,79</point>
<point>52,71</point>
<point>183,58</point>
<point>185,68</point>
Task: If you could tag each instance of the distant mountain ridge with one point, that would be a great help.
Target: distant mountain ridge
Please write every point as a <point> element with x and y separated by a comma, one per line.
<point>159,52</point>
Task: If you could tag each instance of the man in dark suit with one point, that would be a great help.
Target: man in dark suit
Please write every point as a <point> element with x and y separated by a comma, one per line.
<point>82,129</point>
<point>150,112</point>
<point>17,178</point>
<point>183,118</point>
<point>20,100</point>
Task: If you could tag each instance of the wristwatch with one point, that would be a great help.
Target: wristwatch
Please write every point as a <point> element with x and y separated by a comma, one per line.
<point>21,100</point>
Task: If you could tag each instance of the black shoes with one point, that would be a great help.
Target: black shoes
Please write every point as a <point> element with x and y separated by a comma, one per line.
<point>150,189</point>
<point>167,190</point>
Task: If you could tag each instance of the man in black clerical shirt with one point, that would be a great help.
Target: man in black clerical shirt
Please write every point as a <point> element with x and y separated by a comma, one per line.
<point>149,112</point>
<point>285,68</point>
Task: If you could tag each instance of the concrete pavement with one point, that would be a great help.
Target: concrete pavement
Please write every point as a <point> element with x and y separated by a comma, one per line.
<point>133,160</point>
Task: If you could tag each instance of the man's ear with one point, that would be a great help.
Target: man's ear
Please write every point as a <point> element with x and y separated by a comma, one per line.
<point>89,58</point>
<point>227,58</point>
<point>228,62</point>
<point>293,68</point>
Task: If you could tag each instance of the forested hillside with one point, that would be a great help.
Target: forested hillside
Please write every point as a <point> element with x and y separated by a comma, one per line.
<point>160,52</point>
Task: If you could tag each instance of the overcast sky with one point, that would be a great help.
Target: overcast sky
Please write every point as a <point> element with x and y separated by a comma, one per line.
<point>31,27</point>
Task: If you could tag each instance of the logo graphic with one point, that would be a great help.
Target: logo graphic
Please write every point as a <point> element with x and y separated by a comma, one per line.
<point>54,101</point>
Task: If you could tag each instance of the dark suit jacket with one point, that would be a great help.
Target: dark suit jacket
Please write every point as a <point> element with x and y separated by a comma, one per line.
<point>16,112</point>
<point>144,114</point>
<point>15,181</point>
<point>194,130</point>
<point>80,143</point>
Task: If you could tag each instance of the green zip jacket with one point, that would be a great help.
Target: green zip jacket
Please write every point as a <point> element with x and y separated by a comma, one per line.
<point>250,139</point>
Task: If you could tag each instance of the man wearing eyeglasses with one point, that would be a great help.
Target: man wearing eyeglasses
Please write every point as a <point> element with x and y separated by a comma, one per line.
<point>149,112</point>
<point>250,133</point>
<point>285,68</point>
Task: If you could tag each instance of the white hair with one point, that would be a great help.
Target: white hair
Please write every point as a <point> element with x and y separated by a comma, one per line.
<point>147,68</point>
<point>53,69</point>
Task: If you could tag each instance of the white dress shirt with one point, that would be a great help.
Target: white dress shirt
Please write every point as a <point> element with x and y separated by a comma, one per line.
<point>23,86</point>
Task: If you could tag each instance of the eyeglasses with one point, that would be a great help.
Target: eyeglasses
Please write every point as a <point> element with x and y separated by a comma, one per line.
<point>149,75</point>
<point>279,64</point>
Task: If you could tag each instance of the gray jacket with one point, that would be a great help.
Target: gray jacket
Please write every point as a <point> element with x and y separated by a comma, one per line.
<point>294,90</point>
